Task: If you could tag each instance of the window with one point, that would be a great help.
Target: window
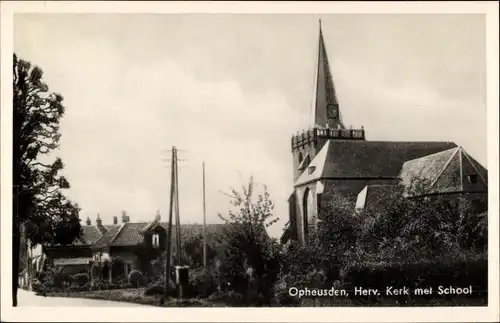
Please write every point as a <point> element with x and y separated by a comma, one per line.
<point>472,178</point>
<point>156,240</point>
<point>311,169</point>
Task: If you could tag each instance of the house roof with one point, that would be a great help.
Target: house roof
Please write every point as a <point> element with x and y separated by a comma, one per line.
<point>131,233</point>
<point>366,159</point>
<point>448,171</point>
<point>91,234</point>
<point>109,235</point>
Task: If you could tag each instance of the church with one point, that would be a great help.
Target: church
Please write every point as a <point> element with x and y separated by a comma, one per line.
<point>331,160</point>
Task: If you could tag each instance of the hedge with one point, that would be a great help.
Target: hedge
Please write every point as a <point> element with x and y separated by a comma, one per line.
<point>423,274</point>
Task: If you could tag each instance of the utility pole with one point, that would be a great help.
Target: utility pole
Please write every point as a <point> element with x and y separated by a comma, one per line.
<point>177,228</point>
<point>177,216</point>
<point>204,222</point>
<point>169,231</point>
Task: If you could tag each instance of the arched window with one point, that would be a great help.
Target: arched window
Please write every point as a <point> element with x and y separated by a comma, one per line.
<point>301,157</point>
<point>307,207</point>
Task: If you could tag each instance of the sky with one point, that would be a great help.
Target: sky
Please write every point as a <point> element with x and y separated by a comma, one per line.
<point>231,90</point>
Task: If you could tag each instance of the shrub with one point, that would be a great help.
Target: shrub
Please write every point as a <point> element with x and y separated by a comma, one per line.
<point>248,258</point>
<point>136,278</point>
<point>426,273</point>
<point>202,283</point>
<point>158,288</point>
<point>80,279</point>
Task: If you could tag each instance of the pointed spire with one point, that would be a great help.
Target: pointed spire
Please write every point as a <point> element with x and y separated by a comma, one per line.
<point>326,107</point>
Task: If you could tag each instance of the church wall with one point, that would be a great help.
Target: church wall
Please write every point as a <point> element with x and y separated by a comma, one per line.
<point>346,188</point>
<point>349,188</point>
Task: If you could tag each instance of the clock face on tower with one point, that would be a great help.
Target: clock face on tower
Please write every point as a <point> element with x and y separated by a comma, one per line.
<point>333,111</point>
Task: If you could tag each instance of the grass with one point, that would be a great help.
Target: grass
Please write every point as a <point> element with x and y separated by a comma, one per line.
<point>136,296</point>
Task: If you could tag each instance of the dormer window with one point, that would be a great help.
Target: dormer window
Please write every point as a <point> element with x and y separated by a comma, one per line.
<point>472,178</point>
<point>156,240</point>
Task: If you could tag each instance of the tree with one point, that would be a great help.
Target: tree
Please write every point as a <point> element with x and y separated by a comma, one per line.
<point>249,258</point>
<point>39,204</point>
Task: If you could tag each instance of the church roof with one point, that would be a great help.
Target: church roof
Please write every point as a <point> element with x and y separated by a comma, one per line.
<point>449,171</point>
<point>348,159</point>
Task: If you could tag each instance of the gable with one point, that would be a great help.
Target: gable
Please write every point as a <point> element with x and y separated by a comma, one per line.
<point>109,235</point>
<point>450,171</point>
<point>473,175</point>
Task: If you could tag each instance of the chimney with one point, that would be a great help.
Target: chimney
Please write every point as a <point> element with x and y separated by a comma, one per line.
<point>88,221</point>
<point>125,217</point>
<point>158,216</point>
<point>98,220</point>
<point>115,220</point>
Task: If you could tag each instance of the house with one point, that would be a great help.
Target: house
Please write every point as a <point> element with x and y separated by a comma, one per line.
<point>332,160</point>
<point>111,251</point>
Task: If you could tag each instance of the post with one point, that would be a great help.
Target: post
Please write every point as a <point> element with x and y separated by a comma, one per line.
<point>177,216</point>
<point>169,231</point>
<point>204,223</point>
<point>177,223</point>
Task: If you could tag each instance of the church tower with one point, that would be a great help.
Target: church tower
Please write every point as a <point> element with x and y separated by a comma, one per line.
<point>326,123</point>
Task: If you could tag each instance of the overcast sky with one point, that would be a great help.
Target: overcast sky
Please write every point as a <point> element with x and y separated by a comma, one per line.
<point>232,89</point>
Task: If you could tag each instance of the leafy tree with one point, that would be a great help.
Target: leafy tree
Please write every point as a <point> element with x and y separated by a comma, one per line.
<point>249,258</point>
<point>39,205</point>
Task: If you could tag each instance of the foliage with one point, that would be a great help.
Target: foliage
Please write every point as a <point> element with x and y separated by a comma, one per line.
<point>136,278</point>
<point>249,259</point>
<point>39,204</point>
<point>202,283</point>
<point>464,269</point>
<point>158,289</point>
<point>403,241</point>
<point>80,279</point>
<point>48,215</point>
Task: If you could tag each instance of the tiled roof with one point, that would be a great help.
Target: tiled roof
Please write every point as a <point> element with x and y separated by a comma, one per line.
<point>131,232</point>
<point>91,234</point>
<point>443,172</point>
<point>366,159</point>
<point>109,235</point>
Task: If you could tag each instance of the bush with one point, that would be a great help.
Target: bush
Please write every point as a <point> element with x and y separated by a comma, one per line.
<point>426,273</point>
<point>202,283</point>
<point>136,278</point>
<point>80,279</point>
<point>158,288</point>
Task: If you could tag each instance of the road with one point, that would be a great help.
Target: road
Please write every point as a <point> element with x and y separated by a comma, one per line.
<point>26,298</point>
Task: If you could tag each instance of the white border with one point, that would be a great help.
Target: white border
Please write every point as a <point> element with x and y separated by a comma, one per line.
<point>456,314</point>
